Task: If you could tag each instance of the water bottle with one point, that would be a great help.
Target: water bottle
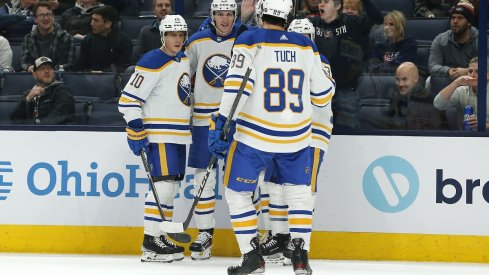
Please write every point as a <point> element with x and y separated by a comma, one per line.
<point>468,111</point>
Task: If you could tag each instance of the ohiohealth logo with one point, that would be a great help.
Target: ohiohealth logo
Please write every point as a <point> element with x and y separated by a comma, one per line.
<point>390,184</point>
<point>5,186</point>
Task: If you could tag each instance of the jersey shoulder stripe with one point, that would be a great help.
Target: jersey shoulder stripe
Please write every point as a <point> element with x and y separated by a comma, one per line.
<point>156,60</point>
<point>273,38</point>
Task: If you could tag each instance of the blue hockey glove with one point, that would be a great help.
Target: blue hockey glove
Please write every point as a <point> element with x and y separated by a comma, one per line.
<point>217,145</point>
<point>136,137</point>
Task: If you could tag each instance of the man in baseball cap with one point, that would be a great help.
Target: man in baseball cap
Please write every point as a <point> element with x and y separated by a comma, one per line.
<point>43,60</point>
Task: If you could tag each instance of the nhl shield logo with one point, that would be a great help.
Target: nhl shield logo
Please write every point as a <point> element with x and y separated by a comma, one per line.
<point>215,70</point>
<point>184,89</point>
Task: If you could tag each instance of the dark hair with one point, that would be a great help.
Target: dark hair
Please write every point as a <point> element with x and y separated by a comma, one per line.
<point>274,20</point>
<point>42,4</point>
<point>108,13</point>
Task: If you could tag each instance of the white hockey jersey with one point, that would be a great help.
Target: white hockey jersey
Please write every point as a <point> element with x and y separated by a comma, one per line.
<point>322,118</point>
<point>275,112</point>
<point>209,56</point>
<point>159,93</point>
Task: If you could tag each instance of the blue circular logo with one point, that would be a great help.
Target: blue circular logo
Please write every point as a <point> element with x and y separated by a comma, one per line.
<point>184,89</point>
<point>390,184</point>
<point>215,70</point>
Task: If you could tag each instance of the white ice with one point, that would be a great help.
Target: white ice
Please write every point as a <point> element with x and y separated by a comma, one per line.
<point>41,264</point>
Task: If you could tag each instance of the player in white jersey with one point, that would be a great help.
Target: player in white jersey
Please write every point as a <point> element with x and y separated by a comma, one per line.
<point>273,126</point>
<point>156,106</point>
<point>322,127</point>
<point>209,53</point>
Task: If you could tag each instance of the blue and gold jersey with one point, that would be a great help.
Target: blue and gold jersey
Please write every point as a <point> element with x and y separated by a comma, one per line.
<point>209,56</point>
<point>287,78</point>
<point>158,92</point>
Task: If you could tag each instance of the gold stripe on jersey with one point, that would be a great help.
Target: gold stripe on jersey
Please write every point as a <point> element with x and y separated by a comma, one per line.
<point>320,138</point>
<point>202,104</point>
<point>322,101</point>
<point>315,169</point>
<point>229,162</point>
<point>179,120</point>
<point>149,132</point>
<point>155,70</point>
<point>273,45</point>
<point>206,39</point>
<point>276,125</point>
<point>319,125</point>
<point>274,140</point>
<point>163,160</point>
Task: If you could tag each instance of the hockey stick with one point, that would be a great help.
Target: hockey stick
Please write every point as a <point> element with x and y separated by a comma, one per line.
<point>179,237</point>
<point>175,227</point>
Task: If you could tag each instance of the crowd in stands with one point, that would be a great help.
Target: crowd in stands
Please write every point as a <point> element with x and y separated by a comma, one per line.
<point>364,40</point>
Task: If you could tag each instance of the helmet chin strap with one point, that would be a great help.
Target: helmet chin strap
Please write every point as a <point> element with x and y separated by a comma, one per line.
<point>163,47</point>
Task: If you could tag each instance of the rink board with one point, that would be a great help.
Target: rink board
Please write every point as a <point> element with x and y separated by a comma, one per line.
<point>380,198</point>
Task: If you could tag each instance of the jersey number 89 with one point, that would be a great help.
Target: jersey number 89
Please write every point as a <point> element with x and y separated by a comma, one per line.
<point>294,81</point>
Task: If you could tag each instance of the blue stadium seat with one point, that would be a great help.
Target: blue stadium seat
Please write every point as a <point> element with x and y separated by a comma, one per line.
<point>374,114</point>
<point>194,23</point>
<point>96,85</point>
<point>7,106</point>
<point>406,6</point>
<point>422,56</point>
<point>424,30</point>
<point>105,113</point>
<point>16,54</point>
<point>376,86</point>
<point>438,82</point>
<point>132,25</point>
<point>16,83</point>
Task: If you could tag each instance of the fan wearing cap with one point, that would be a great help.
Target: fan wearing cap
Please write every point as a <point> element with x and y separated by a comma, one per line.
<point>48,102</point>
<point>451,51</point>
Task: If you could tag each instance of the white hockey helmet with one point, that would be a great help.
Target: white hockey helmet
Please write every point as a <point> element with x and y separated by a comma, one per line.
<point>224,5</point>
<point>302,26</point>
<point>173,23</point>
<point>276,8</point>
<point>258,13</point>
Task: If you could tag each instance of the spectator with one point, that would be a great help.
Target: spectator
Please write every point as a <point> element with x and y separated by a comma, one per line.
<point>433,8</point>
<point>48,102</point>
<point>309,8</point>
<point>353,7</point>
<point>64,5</point>
<point>105,45</point>
<point>452,50</point>
<point>412,103</point>
<point>5,55</point>
<point>48,39</point>
<point>149,36</point>
<point>76,20</point>
<point>396,48</point>
<point>18,20</point>
<point>462,92</point>
<point>342,38</point>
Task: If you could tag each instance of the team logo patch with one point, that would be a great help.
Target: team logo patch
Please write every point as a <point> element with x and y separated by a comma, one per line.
<point>184,89</point>
<point>215,70</point>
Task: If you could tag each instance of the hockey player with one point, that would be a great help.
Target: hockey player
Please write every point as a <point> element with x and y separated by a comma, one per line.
<point>156,106</point>
<point>209,53</point>
<point>322,127</point>
<point>273,125</point>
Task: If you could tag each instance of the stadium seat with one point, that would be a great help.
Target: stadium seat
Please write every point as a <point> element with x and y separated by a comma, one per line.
<point>422,56</point>
<point>95,85</point>
<point>105,113</point>
<point>7,106</point>
<point>16,54</point>
<point>132,25</point>
<point>16,83</point>
<point>424,30</point>
<point>376,86</point>
<point>374,114</point>
<point>406,6</point>
<point>438,82</point>
<point>194,24</point>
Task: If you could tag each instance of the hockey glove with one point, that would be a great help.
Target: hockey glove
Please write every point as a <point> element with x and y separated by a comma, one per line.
<point>217,142</point>
<point>136,136</point>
